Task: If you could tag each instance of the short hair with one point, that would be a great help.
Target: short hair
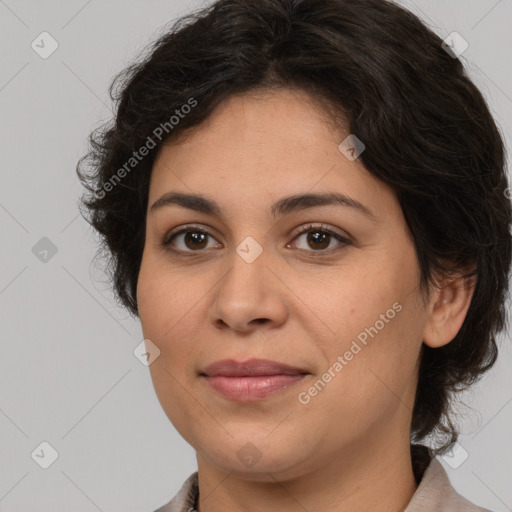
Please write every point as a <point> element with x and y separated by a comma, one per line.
<point>427,130</point>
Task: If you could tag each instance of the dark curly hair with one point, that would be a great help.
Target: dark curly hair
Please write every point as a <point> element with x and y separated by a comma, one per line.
<point>427,129</point>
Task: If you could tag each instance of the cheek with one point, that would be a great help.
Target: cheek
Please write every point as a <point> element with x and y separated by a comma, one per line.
<point>166,310</point>
<point>368,383</point>
<point>383,352</point>
<point>164,299</point>
<point>373,323</point>
<point>341,304</point>
<point>171,311</point>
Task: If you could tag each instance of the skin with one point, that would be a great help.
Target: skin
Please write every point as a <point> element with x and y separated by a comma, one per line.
<point>348,447</point>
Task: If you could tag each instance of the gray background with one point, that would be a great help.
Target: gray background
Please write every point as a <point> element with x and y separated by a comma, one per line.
<point>68,375</point>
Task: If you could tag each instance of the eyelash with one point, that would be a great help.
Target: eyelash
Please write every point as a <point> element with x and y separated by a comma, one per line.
<point>321,228</point>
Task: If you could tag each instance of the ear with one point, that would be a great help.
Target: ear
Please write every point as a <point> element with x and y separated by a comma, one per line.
<point>448,305</point>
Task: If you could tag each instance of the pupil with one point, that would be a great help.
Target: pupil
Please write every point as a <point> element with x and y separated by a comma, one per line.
<point>194,237</point>
<point>319,237</point>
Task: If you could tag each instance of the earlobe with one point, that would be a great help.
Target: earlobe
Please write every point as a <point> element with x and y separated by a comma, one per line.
<point>448,308</point>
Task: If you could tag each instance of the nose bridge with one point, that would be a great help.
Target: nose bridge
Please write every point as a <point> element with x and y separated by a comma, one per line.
<point>248,293</point>
<point>244,285</point>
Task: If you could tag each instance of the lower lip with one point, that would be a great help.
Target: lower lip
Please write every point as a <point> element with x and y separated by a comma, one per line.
<point>249,389</point>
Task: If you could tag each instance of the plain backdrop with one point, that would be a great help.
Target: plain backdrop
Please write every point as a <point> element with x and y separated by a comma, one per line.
<point>68,374</point>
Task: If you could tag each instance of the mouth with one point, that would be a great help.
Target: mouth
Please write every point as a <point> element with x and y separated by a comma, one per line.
<point>251,380</point>
<point>250,368</point>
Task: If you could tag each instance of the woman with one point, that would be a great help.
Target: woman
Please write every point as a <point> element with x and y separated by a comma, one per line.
<point>305,204</point>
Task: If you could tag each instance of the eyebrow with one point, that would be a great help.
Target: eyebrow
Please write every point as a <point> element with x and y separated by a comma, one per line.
<point>283,206</point>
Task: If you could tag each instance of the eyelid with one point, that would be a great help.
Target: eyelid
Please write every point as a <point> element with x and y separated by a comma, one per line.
<point>321,227</point>
<point>187,227</point>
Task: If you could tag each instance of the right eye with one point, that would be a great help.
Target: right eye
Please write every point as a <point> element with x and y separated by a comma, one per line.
<point>188,240</point>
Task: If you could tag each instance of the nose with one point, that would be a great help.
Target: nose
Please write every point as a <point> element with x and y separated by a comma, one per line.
<point>249,296</point>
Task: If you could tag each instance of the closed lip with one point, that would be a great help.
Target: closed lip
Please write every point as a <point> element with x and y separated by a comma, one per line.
<point>250,368</point>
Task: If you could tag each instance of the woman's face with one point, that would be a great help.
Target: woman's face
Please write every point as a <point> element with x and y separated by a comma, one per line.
<point>330,289</point>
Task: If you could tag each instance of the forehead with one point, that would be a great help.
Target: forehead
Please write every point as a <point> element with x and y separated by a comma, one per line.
<point>262,146</point>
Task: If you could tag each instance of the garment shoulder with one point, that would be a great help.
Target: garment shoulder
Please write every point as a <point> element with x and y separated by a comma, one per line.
<point>185,498</point>
<point>457,502</point>
<point>436,493</point>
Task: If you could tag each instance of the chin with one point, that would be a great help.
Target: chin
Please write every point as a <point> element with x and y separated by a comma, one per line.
<point>255,460</point>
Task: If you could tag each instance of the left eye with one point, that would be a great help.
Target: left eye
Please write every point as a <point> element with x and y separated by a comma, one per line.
<point>320,238</point>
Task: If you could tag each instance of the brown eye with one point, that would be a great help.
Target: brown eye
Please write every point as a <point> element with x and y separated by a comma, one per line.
<point>195,239</point>
<point>321,239</point>
<point>188,240</point>
<point>318,239</point>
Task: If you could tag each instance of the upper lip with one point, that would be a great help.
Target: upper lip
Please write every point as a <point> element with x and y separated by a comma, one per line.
<point>250,368</point>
